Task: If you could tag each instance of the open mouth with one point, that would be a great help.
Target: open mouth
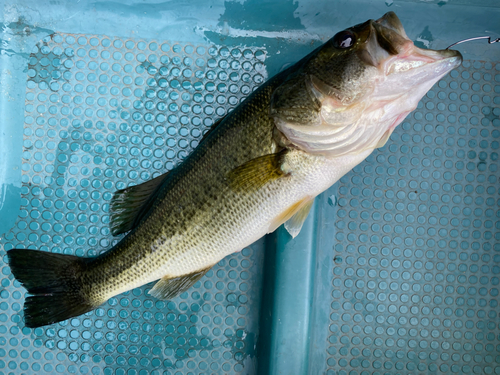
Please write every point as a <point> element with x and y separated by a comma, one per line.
<point>435,61</point>
<point>403,64</point>
<point>404,55</point>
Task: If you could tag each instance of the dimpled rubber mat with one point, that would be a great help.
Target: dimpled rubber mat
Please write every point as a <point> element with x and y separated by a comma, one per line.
<point>102,114</point>
<point>416,253</point>
<point>407,255</point>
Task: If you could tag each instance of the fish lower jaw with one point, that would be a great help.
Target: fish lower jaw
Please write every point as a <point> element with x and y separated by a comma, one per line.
<point>407,73</point>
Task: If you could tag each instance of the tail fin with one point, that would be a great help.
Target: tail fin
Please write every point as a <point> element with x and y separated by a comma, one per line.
<point>54,282</point>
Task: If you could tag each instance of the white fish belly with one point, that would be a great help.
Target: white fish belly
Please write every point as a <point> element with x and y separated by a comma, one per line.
<point>253,221</point>
<point>207,242</point>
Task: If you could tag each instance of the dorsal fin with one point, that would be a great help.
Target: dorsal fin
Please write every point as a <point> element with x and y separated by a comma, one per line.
<point>129,205</point>
<point>169,287</point>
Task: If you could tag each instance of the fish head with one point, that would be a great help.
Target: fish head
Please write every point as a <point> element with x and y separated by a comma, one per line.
<point>348,95</point>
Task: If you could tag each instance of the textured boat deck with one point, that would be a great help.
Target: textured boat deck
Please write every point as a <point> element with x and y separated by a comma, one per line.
<point>396,270</point>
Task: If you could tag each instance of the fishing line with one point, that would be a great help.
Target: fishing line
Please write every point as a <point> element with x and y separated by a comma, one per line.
<point>490,41</point>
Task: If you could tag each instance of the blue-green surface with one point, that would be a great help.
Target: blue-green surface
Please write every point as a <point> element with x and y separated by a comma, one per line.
<point>102,113</point>
<point>416,254</point>
<point>396,271</point>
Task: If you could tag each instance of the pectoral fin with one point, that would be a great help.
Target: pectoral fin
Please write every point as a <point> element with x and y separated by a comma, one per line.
<point>168,287</point>
<point>294,224</point>
<point>129,205</point>
<point>257,172</point>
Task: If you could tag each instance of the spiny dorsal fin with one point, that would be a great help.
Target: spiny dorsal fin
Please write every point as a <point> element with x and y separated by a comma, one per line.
<point>257,172</point>
<point>294,224</point>
<point>168,288</point>
<point>129,205</point>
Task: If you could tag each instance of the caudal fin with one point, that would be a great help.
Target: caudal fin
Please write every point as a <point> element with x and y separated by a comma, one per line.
<point>54,282</point>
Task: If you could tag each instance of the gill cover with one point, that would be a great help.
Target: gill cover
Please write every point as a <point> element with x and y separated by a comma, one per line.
<point>348,95</point>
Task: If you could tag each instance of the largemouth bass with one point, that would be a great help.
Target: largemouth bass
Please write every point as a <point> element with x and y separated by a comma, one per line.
<point>257,168</point>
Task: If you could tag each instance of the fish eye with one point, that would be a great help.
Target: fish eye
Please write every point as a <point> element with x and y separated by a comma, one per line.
<point>344,39</point>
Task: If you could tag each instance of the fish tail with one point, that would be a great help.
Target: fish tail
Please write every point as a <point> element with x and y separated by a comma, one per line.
<point>54,282</point>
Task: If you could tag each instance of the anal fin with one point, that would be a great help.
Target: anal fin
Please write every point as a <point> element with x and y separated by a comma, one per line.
<point>129,205</point>
<point>169,287</point>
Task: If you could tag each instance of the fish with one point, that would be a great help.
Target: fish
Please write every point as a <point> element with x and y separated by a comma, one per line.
<point>257,168</point>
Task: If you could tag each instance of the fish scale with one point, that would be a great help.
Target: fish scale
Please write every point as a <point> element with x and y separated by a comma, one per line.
<point>260,167</point>
<point>192,197</point>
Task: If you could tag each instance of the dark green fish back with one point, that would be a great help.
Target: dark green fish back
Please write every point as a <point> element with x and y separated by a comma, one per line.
<point>194,190</point>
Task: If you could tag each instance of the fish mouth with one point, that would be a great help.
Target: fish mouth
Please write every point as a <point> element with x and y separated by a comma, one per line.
<point>389,49</point>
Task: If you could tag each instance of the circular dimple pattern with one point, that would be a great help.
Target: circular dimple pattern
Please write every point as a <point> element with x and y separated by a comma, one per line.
<point>100,115</point>
<point>417,256</point>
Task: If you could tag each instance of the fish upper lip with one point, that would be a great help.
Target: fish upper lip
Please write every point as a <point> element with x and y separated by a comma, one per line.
<point>391,21</point>
<point>406,49</point>
<point>417,57</point>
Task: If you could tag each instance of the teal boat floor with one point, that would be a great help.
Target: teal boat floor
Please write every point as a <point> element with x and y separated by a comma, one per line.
<point>102,114</point>
<point>396,270</point>
<point>416,260</point>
